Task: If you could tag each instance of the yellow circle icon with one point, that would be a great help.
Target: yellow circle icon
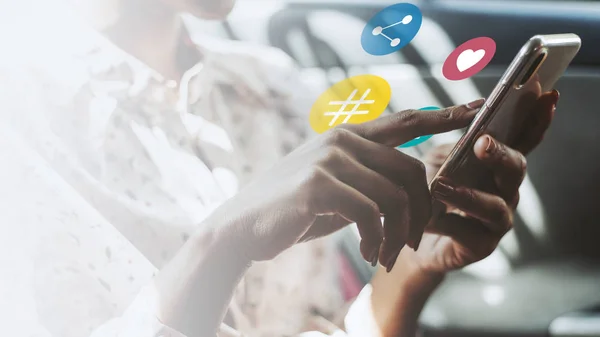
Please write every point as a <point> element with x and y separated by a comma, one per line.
<point>354,100</point>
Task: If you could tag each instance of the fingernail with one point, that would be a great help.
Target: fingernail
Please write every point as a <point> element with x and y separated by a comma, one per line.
<point>374,257</point>
<point>443,189</point>
<point>392,261</point>
<point>556,99</point>
<point>476,104</point>
<point>491,145</point>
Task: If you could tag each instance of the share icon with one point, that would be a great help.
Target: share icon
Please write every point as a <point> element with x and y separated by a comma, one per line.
<point>391,29</point>
<point>396,41</point>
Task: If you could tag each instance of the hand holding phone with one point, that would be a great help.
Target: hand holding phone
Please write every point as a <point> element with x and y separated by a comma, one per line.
<point>507,111</point>
<point>477,187</point>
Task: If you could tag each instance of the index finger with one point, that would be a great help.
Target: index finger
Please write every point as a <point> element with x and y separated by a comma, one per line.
<point>399,128</point>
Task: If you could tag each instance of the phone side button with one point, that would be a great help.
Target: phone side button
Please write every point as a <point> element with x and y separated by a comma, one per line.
<point>495,97</point>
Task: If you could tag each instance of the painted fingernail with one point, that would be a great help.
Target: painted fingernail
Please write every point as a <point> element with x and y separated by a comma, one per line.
<point>476,104</point>
<point>556,95</point>
<point>374,257</point>
<point>443,189</point>
<point>491,145</point>
<point>392,261</point>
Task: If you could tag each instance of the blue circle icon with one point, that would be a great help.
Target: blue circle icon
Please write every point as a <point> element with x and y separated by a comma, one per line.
<point>391,29</point>
<point>421,139</point>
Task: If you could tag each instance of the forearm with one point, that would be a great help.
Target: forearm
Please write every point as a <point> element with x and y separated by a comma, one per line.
<point>197,285</point>
<point>399,297</point>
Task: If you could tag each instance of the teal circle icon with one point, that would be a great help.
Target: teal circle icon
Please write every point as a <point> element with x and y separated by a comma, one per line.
<point>420,139</point>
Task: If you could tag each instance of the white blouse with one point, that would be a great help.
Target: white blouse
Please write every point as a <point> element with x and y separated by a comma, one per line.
<point>108,168</point>
<point>60,258</point>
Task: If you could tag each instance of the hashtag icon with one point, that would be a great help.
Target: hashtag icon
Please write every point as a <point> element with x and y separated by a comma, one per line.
<point>344,105</point>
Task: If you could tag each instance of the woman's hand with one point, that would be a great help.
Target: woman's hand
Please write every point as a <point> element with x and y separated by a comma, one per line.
<point>476,221</point>
<point>349,174</point>
<point>469,230</point>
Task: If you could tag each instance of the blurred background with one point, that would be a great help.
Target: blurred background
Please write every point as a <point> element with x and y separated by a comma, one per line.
<point>552,259</point>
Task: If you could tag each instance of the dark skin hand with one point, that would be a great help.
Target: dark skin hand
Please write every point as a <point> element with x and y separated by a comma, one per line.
<point>475,220</point>
<point>469,230</point>
<point>350,174</point>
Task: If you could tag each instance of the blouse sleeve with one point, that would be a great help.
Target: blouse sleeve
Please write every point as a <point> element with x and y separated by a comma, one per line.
<point>276,78</point>
<point>140,320</point>
<point>296,96</point>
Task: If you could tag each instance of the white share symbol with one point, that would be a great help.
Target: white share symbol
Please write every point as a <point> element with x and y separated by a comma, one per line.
<point>393,42</point>
<point>344,104</point>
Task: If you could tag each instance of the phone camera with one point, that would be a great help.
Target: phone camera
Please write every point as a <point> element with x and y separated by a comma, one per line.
<point>533,68</point>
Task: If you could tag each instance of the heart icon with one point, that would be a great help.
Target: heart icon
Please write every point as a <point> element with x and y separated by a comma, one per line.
<point>468,58</point>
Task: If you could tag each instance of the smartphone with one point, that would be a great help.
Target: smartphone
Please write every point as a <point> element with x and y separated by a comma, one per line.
<point>534,71</point>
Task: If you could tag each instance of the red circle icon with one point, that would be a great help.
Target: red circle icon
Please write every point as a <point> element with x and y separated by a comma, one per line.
<point>469,58</point>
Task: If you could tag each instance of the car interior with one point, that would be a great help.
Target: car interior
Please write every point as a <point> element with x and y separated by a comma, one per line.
<point>545,279</point>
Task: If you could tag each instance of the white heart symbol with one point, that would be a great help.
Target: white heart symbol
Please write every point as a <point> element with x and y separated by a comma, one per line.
<point>469,58</point>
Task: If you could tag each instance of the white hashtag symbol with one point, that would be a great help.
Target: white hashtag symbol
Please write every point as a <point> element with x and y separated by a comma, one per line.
<point>344,104</point>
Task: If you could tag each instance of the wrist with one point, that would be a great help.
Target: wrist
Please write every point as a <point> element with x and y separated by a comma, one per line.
<point>399,296</point>
<point>200,278</point>
<point>415,276</point>
<point>230,233</point>
<point>220,245</point>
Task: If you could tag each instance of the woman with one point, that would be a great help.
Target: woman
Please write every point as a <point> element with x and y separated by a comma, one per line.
<point>188,292</point>
<point>153,169</point>
<point>158,133</point>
